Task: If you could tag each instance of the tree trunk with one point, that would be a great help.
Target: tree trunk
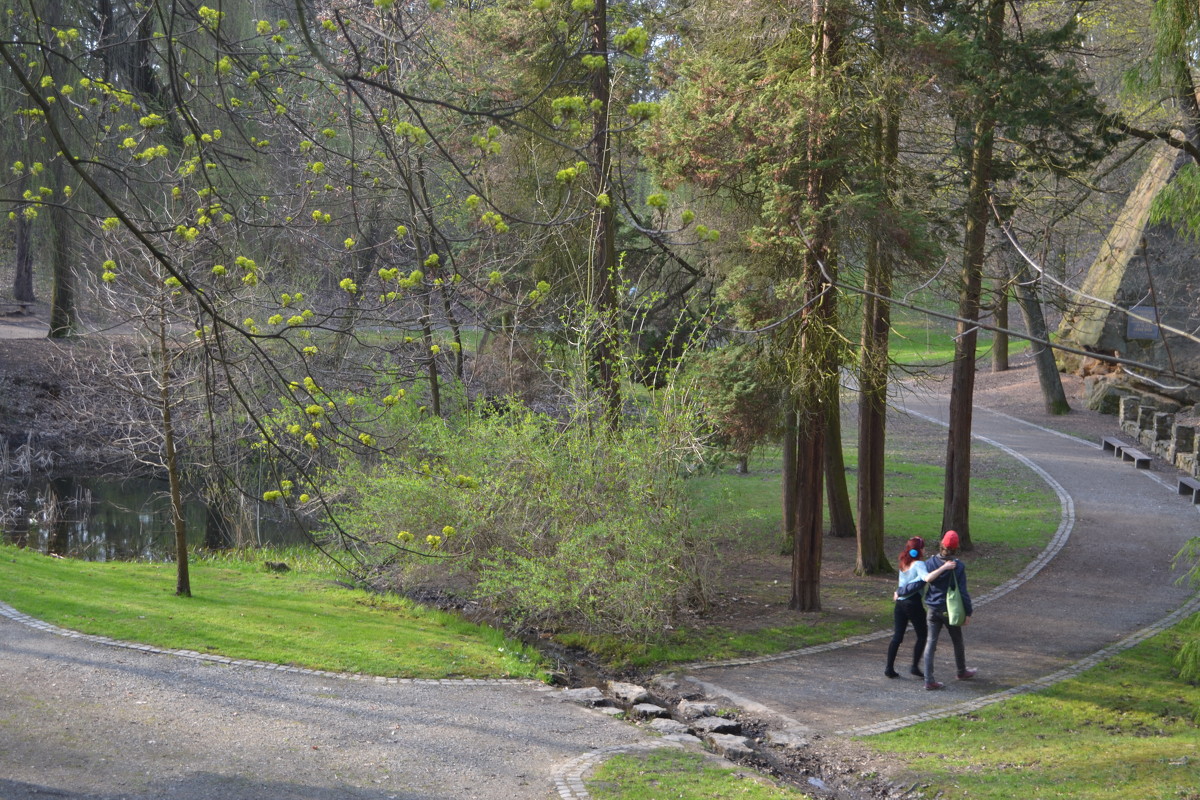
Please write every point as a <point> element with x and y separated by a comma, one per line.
<point>816,388</point>
<point>1000,317</point>
<point>431,366</point>
<point>62,267</point>
<point>1053,395</point>
<point>603,291</point>
<point>956,501</point>
<point>872,414</point>
<point>841,516</point>
<point>871,557</point>
<point>791,491</point>
<point>183,583</point>
<point>22,259</point>
<point>455,331</point>
<point>806,553</point>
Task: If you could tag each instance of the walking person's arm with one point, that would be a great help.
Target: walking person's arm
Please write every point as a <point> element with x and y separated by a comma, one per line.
<point>915,586</point>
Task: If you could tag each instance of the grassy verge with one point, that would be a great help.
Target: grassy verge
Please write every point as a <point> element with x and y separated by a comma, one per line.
<point>240,610</point>
<point>1013,516</point>
<point>674,773</point>
<point>1129,727</point>
<point>921,340</point>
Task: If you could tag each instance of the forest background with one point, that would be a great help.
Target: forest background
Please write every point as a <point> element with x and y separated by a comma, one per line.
<point>473,289</point>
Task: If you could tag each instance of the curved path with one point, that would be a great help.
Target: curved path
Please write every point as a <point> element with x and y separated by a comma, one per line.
<point>1104,583</point>
<point>81,720</point>
<point>84,718</point>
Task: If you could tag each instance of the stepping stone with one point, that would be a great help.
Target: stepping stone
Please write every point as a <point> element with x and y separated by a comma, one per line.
<point>665,684</point>
<point>729,746</point>
<point>669,727</point>
<point>627,694</point>
<point>647,710</point>
<point>691,710</point>
<point>682,738</point>
<point>588,696</point>
<point>716,725</point>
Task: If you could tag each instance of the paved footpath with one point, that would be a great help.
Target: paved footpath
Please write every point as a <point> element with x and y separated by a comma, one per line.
<point>104,721</point>
<point>1105,582</point>
<point>88,719</point>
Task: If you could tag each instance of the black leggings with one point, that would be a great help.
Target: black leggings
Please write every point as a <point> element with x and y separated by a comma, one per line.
<point>907,610</point>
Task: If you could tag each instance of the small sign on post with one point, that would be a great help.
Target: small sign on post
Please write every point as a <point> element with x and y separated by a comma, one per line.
<point>1144,328</point>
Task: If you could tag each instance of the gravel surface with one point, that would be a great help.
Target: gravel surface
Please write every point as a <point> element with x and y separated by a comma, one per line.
<point>86,720</point>
<point>1049,620</point>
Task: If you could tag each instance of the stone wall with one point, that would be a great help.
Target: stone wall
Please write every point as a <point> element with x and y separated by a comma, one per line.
<point>1160,433</point>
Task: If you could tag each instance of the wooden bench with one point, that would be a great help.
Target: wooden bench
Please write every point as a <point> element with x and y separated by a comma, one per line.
<point>1112,443</point>
<point>1139,459</point>
<point>1190,486</point>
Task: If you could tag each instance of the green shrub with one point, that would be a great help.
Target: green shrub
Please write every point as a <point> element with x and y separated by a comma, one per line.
<point>552,522</point>
<point>740,404</point>
<point>1187,660</point>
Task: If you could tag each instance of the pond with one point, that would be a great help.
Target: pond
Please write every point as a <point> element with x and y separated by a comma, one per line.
<point>101,520</point>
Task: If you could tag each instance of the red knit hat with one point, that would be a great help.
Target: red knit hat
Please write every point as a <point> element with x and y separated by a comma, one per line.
<point>950,540</point>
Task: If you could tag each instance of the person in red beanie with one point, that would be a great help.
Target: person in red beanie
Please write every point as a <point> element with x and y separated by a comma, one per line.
<point>935,602</point>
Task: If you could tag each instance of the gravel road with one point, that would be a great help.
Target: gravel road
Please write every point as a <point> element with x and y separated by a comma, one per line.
<point>85,720</point>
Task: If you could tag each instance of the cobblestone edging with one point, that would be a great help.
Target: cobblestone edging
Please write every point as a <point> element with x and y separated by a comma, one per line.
<point>1057,542</point>
<point>37,624</point>
<point>1044,682</point>
<point>568,776</point>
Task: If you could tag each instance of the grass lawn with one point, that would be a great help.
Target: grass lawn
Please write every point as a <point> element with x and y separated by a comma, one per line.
<point>1127,728</point>
<point>240,610</point>
<point>919,340</point>
<point>668,773</point>
<point>1013,516</point>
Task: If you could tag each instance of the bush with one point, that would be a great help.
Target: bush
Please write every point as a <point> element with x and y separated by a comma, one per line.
<point>556,524</point>
<point>1188,658</point>
<point>741,406</point>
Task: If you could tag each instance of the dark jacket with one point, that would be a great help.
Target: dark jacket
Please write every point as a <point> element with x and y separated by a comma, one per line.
<point>935,594</point>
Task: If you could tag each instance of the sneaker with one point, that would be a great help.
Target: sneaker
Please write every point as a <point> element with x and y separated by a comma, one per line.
<point>917,671</point>
<point>966,675</point>
<point>891,673</point>
<point>931,685</point>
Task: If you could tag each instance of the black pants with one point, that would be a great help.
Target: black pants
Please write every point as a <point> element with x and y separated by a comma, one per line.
<point>937,619</point>
<point>908,610</point>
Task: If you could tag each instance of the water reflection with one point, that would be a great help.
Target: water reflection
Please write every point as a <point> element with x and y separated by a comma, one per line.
<point>118,521</point>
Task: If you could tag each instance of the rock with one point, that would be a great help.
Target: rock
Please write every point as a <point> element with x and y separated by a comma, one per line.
<point>588,696</point>
<point>716,725</point>
<point>1103,394</point>
<point>729,746</point>
<point>627,694</point>
<point>665,685</point>
<point>612,711</point>
<point>682,738</point>
<point>788,741</point>
<point>647,711</point>
<point>668,727</point>
<point>691,710</point>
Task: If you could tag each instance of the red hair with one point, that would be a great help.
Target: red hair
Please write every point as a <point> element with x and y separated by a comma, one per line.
<point>906,557</point>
